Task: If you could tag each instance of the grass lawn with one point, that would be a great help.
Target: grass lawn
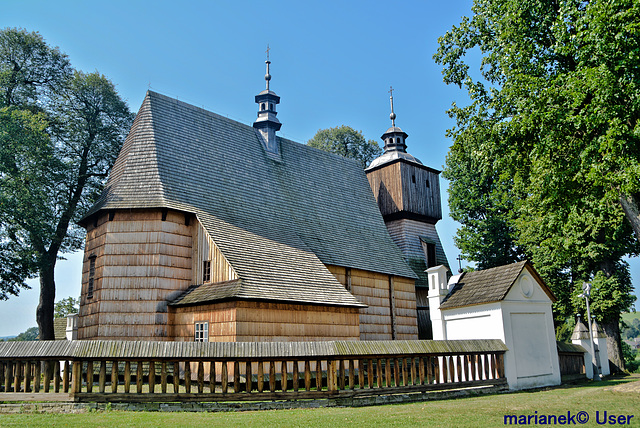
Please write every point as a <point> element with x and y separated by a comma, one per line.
<point>464,412</point>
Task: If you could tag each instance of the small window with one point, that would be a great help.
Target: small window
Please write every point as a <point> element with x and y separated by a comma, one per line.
<point>202,332</point>
<point>92,275</point>
<point>206,271</point>
<point>271,107</point>
<point>262,106</point>
<point>428,185</point>
<point>413,179</point>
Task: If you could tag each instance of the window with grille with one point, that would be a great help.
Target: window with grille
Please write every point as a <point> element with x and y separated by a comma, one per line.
<point>92,275</point>
<point>202,332</point>
<point>206,271</point>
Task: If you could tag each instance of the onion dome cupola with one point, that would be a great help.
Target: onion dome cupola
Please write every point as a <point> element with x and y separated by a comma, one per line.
<point>267,124</point>
<point>395,146</point>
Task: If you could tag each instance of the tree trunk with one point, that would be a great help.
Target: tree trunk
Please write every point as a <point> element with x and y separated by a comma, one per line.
<point>631,207</point>
<point>44,312</point>
<point>611,328</point>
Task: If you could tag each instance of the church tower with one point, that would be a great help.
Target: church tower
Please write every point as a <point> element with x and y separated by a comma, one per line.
<point>408,195</point>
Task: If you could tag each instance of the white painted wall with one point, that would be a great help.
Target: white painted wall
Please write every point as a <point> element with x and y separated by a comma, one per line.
<point>524,322</point>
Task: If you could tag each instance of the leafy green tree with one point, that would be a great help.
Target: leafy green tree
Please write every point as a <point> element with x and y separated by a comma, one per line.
<point>346,141</point>
<point>482,204</point>
<point>30,334</point>
<point>65,307</point>
<point>630,358</point>
<point>29,68</point>
<point>552,131</point>
<point>61,132</point>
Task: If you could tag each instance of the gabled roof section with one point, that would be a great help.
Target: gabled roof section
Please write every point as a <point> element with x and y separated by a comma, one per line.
<point>211,292</point>
<point>135,175</point>
<point>489,285</point>
<point>277,223</point>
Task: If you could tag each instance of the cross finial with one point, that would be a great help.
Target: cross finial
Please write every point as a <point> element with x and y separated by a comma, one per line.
<point>392,116</point>
<point>267,76</point>
<point>459,259</point>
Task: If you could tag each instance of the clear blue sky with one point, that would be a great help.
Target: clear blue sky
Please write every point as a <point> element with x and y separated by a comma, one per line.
<point>332,64</point>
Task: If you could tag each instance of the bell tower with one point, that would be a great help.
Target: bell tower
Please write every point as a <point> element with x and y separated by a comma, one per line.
<point>408,195</point>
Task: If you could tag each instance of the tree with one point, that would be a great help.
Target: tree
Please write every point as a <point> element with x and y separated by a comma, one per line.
<point>65,307</point>
<point>30,334</point>
<point>346,141</point>
<point>553,124</point>
<point>61,133</point>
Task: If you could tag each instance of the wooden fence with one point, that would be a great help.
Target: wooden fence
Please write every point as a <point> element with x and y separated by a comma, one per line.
<point>127,371</point>
<point>571,360</point>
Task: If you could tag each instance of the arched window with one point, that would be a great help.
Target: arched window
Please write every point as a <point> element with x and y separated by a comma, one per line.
<point>262,106</point>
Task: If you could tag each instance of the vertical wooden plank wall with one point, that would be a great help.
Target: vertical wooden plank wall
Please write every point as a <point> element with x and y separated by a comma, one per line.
<point>206,249</point>
<point>142,256</point>
<point>372,289</point>
<point>402,186</point>
<point>387,188</point>
<point>421,190</point>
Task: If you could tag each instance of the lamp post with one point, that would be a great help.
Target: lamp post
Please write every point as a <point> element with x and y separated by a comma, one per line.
<point>586,292</point>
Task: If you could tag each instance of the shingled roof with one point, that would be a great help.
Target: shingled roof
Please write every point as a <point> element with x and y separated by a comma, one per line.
<point>488,285</point>
<point>277,221</point>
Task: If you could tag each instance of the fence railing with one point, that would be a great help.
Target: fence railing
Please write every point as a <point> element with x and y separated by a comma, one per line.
<point>126,371</point>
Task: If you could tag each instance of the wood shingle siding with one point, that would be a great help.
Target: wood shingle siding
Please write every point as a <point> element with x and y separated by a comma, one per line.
<point>140,261</point>
<point>372,289</point>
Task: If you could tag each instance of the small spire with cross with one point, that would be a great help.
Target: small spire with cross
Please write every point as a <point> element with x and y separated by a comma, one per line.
<point>392,116</point>
<point>459,259</point>
<point>267,76</point>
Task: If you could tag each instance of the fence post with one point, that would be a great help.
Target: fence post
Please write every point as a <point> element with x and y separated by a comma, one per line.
<point>76,377</point>
<point>331,377</point>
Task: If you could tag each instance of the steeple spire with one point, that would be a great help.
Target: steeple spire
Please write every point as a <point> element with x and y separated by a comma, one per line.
<point>267,76</point>
<point>267,123</point>
<point>392,116</point>
<point>394,137</point>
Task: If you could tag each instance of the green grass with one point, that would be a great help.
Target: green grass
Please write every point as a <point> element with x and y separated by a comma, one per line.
<point>464,412</point>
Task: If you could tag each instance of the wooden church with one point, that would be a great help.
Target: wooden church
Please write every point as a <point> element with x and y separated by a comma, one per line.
<point>212,230</point>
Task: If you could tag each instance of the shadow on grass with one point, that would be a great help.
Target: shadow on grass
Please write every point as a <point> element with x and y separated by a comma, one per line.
<point>613,380</point>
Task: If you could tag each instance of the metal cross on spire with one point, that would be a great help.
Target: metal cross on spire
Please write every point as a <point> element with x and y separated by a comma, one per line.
<point>392,116</point>
<point>267,76</point>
